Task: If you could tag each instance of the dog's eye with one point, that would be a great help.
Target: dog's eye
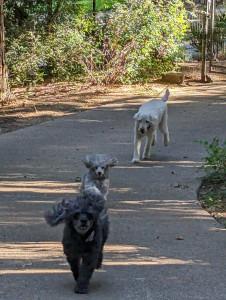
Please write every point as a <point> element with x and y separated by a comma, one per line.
<point>90,216</point>
<point>76,216</point>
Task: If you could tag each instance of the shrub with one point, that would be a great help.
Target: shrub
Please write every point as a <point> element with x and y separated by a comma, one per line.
<point>215,162</point>
<point>24,59</point>
<point>33,56</point>
<point>133,42</point>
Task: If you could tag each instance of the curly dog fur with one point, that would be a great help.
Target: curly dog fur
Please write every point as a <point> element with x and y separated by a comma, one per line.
<point>85,233</point>
<point>151,115</point>
<point>96,179</point>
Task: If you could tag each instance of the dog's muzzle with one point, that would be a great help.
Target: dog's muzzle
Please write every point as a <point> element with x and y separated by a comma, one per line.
<point>142,131</point>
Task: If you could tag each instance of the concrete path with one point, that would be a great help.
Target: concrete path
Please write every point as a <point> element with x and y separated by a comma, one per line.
<point>162,244</point>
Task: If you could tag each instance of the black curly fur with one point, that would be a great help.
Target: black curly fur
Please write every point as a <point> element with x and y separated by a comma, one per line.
<point>84,252</point>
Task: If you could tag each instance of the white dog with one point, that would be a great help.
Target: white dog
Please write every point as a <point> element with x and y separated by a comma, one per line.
<point>151,115</point>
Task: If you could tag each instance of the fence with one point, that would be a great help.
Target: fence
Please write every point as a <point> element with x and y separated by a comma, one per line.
<point>216,35</point>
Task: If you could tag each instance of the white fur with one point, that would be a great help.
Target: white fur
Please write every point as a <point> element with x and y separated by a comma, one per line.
<point>151,115</point>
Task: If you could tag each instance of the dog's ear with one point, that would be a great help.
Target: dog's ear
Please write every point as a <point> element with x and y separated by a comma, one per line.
<point>136,116</point>
<point>149,119</point>
<point>99,205</point>
<point>96,199</point>
<point>91,191</point>
<point>87,164</point>
<point>94,195</point>
<point>58,214</point>
<point>112,162</point>
<point>88,161</point>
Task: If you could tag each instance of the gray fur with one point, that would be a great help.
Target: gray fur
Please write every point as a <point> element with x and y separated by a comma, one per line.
<point>96,179</point>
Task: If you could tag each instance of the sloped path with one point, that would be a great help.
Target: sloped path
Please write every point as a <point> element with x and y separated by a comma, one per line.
<point>162,244</point>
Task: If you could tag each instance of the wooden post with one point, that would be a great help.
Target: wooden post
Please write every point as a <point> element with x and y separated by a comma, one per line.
<point>204,41</point>
<point>211,33</point>
<point>3,67</point>
<point>94,8</point>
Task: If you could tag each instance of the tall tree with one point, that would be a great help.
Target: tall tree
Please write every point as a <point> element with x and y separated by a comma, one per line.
<point>3,67</point>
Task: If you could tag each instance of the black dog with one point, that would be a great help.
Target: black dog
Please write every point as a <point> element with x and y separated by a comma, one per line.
<point>85,234</point>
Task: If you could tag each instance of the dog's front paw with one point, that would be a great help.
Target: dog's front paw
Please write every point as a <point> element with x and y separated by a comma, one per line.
<point>81,290</point>
<point>135,160</point>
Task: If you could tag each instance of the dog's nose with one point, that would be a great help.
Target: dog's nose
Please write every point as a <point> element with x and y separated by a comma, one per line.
<point>83,222</point>
<point>99,173</point>
<point>142,130</point>
<point>83,218</point>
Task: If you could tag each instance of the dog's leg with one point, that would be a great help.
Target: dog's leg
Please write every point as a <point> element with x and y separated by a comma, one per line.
<point>100,259</point>
<point>86,271</point>
<point>74,268</point>
<point>136,153</point>
<point>137,145</point>
<point>72,260</point>
<point>154,141</point>
<point>163,127</point>
<point>147,148</point>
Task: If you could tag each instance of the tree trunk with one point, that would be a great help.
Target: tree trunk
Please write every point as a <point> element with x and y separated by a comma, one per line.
<point>52,15</point>
<point>211,34</point>
<point>94,8</point>
<point>204,40</point>
<point>3,67</point>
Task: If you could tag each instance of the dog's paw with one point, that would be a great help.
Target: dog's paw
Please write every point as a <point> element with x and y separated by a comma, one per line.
<point>166,140</point>
<point>99,263</point>
<point>135,160</point>
<point>146,157</point>
<point>81,290</point>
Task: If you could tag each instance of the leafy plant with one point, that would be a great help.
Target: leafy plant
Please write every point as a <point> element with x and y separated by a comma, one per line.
<point>132,42</point>
<point>215,162</point>
<point>212,192</point>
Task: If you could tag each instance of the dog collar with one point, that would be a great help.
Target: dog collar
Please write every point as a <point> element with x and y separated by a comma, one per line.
<point>90,237</point>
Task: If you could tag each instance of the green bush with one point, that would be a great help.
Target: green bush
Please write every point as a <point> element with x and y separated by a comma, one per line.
<point>137,40</point>
<point>24,59</point>
<point>215,162</point>
<point>132,42</point>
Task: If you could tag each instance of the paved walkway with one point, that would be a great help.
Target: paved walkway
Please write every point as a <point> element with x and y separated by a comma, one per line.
<point>162,244</point>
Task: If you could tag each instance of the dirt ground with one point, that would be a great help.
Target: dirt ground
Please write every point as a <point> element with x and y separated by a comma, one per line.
<point>48,101</point>
<point>30,106</point>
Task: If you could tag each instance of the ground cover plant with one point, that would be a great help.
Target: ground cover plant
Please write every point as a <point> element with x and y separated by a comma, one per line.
<point>212,192</point>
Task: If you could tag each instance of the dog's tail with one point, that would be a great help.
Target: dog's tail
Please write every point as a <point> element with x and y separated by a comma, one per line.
<point>166,96</point>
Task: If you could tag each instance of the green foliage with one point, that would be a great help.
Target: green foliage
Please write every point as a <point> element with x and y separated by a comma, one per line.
<point>212,192</point>
<point>132,42</point>
<point>43,15</point>
<point>215,162</point>
<point>25,58</point>
<point>101,5</point>
<point>32,57</point>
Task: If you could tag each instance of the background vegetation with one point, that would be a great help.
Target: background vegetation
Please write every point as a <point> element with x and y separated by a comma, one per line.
<point>212,192</point>
<point>121,42</point>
